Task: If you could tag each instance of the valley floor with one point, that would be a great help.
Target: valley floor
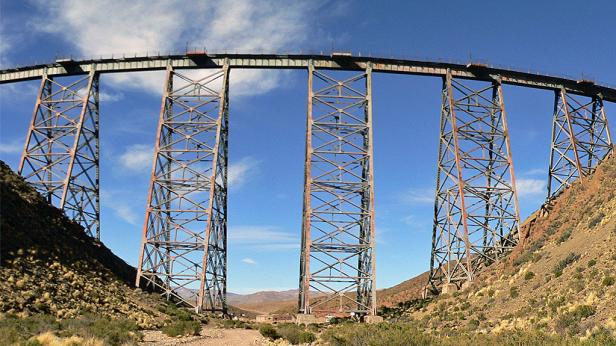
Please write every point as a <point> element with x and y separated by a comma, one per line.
<point>209,336</point>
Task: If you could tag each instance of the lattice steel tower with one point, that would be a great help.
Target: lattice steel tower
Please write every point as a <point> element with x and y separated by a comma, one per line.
<point>61,155</point>
<point>184,246</point>
<point>337,266</point>
<point>476,209</point>
<point>580,139</point>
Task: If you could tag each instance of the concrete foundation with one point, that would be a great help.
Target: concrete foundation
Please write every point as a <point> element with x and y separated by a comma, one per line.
<point>466,285</point>
<point>449,288</point>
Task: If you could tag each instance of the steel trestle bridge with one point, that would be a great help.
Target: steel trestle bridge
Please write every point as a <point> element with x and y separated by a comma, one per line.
<point>183,251</point>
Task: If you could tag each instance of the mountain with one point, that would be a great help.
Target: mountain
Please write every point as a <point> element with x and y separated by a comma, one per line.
<point>265,301</point>
<point>560,278</point>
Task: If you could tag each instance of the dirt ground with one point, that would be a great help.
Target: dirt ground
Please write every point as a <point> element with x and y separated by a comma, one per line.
<point>209,336</point>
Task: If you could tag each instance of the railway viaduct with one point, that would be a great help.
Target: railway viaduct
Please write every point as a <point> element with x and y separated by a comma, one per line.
<point>184,246</point>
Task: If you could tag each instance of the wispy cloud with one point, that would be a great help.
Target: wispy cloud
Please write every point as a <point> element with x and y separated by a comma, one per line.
<point>417,224</point>
<point>125,213</point>
<point>12,147</point>
<point>249,260</point>
<point>535,171</point>
<point>116,27</point>
<point>19,92</point>
<point>415,196</point>
<point>121,209</point>
<point>531,187</point>
<point>110,96</point>
<point>241,171</point>
<point>263,237</point>
<point>137,158</point>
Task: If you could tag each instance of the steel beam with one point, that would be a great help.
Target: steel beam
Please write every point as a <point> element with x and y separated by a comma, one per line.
<point>580,139</point>
<point>184,244</point>
<point>61,155</point>
<point>476,214</point>
<point>337,264</point>
<point>300,61</point>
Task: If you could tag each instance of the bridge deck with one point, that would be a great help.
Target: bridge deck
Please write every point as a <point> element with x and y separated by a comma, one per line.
<point>342,62</point>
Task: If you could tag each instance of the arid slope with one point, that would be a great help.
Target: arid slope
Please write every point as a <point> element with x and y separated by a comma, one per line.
<point>561,278</point>
<point>49,266</point>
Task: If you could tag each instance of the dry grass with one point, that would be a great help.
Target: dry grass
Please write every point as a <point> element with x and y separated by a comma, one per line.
<point>566,261</point>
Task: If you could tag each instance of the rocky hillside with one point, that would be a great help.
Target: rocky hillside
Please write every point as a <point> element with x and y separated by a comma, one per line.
<point>561,278</point>
<point>48,265</point>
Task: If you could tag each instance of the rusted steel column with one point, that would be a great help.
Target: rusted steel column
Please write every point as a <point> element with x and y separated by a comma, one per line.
<point>580,139</point>
<point>61,154</point>
<point>476,216</point>
<point>505,131</point>
<point>213,289</point>
<point>184,244</point>
<point>304,276</point>
<point>337,255</point>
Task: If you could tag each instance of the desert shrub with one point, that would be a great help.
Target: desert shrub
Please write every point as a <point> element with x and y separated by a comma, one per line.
<point>337,320</point>
<point>294,334</point>
<point>473,324</point>
<point>513,292</point>
<point>177,313</point>
<point>16,330</point>
<point>596,219</point>
<point>230,324</point>
<point>569,322</point>
<point>532,254</point>
<point>529,275</point>
<point>269,331</point>
<point>566,235</point>
<point>407,334</point>
<point>553,227</point>
<point>584,311</point>
<point>564,263</point>
<point>179,327</point>
<point>375,334</point>
<point>112,332</point>
<point>555,303</point>
<point>608,281</point>
<point>578,285</point>
<point>591,263</point>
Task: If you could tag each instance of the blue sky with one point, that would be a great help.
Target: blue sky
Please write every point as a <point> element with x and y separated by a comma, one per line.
<point>267,109</point>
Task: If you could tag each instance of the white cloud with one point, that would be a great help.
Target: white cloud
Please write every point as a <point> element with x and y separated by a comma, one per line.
<point>240,171</point>
<point>125,213</point>
<point>5,44</point>
<point>263,237</point>
<point>117,27</point>
<point>20,92</point>
<point>531,187</point>
<point>249,261</point>
<point>12,147</point>
<point>418,196</point>
<point>137,158</point>
<point>109,97</point>
<point>113,201</point>
<point>536,171</point>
